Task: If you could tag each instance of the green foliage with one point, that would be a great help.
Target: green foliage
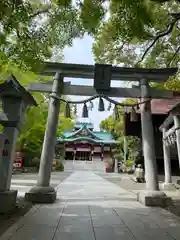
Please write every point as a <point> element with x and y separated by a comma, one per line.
<point>59,166</point>
<point>91,14</point>
<point>145,31</point>
<point>31,31</point>
<point>35,163</point>
<point>129,163</point>
<point>1,128</point>
<point>172,84</point>
<point>64,124</point>
<point>32,132</point>
<point>116,128</point>
<point>133,147</point>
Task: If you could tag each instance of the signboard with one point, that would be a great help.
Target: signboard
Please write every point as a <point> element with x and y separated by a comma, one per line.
<point>5,151</point>
<point>2,141</point>
<point>18,160</point>
<point>54,164</point>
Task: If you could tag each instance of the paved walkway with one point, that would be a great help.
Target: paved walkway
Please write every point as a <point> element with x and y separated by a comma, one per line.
<point>23,182</point>
<point>91,208</point>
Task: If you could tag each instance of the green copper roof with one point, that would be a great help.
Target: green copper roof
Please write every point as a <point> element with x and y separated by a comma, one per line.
<point>81,124</point>
<point>88,135</point>
<point>103,135</point>
<point>85,139</point>
<point>67,134</point>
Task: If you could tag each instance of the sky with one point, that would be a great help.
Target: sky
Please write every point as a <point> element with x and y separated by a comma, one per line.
<point>81,53</point>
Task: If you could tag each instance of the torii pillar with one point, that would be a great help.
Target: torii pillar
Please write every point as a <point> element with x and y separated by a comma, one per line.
<point>43,192</point>
<point>152,196</point>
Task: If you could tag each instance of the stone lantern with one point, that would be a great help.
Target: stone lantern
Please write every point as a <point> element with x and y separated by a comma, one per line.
<point>15,100</point>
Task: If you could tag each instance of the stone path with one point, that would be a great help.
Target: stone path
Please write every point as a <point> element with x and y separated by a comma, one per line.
<point>23,182</point>
<point>92,208</point>
<point>93,166</point>
<point>125,181</point>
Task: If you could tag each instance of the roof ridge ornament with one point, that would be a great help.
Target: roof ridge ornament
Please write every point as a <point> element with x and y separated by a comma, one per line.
<point>85,111</point>
<point>101,105</point>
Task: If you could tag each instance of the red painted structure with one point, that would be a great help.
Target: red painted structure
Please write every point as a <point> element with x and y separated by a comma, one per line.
<point>85,144</point>
<point>18,160</point>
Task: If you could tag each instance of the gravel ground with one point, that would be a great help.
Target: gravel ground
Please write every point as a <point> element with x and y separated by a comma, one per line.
<point>22,207</point>
<point>125,181</point>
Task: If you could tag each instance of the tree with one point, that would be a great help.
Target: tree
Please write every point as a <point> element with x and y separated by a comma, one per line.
<point>116,128</point>
<point>173,84</point>
<point>126,31</point>
<point>32,31</point>
<point>32,132</point>
<point>138,33</point>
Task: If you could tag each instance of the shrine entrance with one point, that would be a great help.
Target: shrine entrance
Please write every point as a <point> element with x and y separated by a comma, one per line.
<point>69,155</point>
<point>102,74</point>
<point>83,156</point>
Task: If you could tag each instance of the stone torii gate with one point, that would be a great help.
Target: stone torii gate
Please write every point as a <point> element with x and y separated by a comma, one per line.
<point>102,75</point>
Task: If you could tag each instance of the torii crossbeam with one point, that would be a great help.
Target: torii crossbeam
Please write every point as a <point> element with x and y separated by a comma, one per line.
<point>113,73</point>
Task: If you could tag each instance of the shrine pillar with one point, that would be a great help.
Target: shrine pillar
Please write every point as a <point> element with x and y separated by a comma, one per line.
<point>43,192</point>
<point>177,129</point>
<point>148,139</point>
<point>74,157</point>
<point>167,185</point>
<point>152,196</point>
<point>167,160</point>
<point>102,152</point>
<point>115,164</point>
<point>92,151</point>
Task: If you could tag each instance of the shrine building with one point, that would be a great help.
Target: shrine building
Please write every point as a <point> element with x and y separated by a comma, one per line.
<point>159,109</point>
<point>82,143</point>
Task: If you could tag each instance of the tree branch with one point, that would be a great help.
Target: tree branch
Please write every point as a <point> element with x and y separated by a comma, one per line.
<point>174,56</point>
<point>161,34</point>
<point>46,10</point>
<point>122,45</point>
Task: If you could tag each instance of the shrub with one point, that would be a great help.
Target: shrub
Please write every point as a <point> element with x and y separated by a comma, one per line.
<point>35,163</point>
<point>59,166</point>
<point>129,163</point>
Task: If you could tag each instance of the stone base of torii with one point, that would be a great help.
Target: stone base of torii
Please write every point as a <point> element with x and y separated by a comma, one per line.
<point>102,75</point>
